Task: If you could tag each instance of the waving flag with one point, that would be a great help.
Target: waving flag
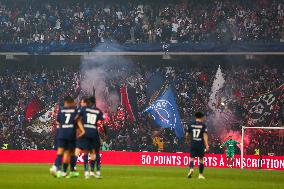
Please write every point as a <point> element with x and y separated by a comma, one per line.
<point>264,108</point>
<point>165,112</point>
<point>128,101</point>
<point>155,84</point>
<point>34,107</point>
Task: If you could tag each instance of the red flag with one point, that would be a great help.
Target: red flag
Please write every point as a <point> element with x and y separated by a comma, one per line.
<point>125,103</point>
<point>33,108</point>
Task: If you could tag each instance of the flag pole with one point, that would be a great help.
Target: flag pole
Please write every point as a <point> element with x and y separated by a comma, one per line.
<point>242,148</point>
<point>160,92</point>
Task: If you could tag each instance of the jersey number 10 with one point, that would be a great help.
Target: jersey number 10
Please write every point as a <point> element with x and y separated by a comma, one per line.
<point>91,118</point>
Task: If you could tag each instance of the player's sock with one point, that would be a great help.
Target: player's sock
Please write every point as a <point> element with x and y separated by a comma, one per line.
<point>86,166</point>
<point>228,162</point>
<point>58,162</point>
<point>65,166</point>
<point>98,162</point>
<point>92,165</point>
<point>191,165</point>
<point>201,168</point>
<point>73,162</point>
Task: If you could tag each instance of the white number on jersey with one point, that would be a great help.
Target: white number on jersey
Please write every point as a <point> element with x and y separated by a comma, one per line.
<point>196,133</point>
<point>91,118</point>
<point>67,118</point>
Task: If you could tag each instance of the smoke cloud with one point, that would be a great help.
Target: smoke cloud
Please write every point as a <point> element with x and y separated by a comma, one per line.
<point>222,118</point>
<point>102,75</point>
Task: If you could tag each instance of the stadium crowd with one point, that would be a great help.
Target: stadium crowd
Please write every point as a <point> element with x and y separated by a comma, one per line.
<point>20,86</point>
<point>193,86</point>
<point>192,83</point>
<point>63,22</point>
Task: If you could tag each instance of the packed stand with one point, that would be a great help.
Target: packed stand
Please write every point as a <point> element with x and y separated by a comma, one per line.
<point>20,86</point>
<point>193,86</point>
<point>93,22</point>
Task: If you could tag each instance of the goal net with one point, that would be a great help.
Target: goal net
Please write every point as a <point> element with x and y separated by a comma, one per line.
<point>261,142</point>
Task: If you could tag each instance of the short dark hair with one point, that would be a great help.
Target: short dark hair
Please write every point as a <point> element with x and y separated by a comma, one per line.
<point>199,114</point>
<point>84,98</point>
<point>68,99</point>
<point>92,100</point>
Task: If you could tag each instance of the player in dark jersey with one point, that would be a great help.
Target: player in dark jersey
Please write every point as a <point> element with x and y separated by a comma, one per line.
<point>72,155</point>
<point>90,142</point>
<point>197,136</point>
<point>66,158</point>
<point>66,134</point>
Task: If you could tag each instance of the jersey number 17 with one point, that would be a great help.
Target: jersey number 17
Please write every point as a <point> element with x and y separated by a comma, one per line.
<point>195,133</point>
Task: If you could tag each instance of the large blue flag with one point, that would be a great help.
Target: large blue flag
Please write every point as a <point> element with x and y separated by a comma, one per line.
<point>165,113</point>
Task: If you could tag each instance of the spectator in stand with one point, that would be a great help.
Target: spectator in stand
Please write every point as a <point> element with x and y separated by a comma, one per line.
<point>92,22</point>
<point>192,83</point>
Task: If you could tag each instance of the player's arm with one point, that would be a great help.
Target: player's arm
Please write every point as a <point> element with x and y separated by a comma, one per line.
<point>187,134</point>
<point>236,143</point>
<point>58,120</point>
<point>102,118</point>
<point>187,137</point>
<point>57,125</point>
<point>81,127</point>
<point>205,138</point>
<point>223,144</point>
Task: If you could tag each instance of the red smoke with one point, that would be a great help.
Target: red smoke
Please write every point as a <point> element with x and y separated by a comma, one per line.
<point>107,118</point>
<point>237,136</point>
<point>101,105</point>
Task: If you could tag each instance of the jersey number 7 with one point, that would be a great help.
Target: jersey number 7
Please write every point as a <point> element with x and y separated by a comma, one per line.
<point>67,119</point>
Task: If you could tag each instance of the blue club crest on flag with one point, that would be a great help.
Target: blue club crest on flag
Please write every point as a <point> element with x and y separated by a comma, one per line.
<point>165,113</point>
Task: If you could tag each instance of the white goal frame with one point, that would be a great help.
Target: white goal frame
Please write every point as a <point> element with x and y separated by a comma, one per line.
<point>242,142</point>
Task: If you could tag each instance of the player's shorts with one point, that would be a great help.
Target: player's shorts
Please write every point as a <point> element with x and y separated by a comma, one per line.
<point>197,151</point>
<point>230,154</point>
<point>66,144</point>
<point>84,143</point>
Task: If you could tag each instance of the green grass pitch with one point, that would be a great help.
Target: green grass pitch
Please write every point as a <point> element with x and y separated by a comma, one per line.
<point>36,176</point>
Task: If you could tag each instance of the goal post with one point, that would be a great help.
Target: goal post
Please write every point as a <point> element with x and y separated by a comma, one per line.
<point>242,142</point>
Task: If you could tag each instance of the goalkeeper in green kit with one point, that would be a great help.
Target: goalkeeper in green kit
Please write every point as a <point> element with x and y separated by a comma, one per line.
<point>231,145</point>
